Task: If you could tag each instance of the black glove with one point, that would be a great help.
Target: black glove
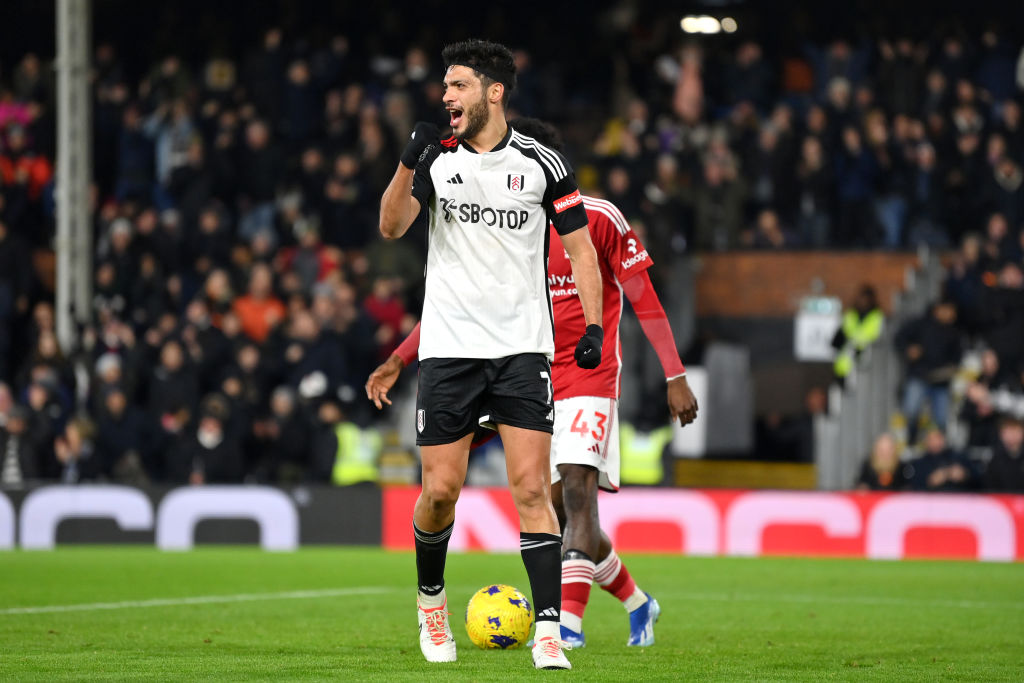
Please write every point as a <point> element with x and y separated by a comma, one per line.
<point>423,135</point>
<point>588,351</point>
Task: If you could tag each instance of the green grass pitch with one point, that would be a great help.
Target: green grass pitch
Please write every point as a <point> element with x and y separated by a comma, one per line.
<point>349,614</point>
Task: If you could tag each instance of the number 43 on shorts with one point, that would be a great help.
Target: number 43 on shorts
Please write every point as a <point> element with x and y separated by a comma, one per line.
<point>582,427</point>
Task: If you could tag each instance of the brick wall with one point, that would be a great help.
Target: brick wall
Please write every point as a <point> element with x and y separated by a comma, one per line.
<point>763,284</point>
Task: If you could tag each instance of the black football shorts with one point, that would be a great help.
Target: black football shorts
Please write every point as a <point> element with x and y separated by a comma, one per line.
<point>457,394</point>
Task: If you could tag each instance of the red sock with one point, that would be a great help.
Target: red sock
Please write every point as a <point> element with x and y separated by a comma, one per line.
<point>613,577</point>
<point>577,576</point>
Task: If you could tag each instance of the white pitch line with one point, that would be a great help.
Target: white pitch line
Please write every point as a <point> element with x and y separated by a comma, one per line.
<point>199,600</point>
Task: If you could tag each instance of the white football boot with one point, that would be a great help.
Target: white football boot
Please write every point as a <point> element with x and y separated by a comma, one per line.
<point>436,640</point>
<point>547,654</point>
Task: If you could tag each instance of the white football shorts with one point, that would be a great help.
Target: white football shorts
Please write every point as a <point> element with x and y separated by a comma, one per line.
<point>586,432</point>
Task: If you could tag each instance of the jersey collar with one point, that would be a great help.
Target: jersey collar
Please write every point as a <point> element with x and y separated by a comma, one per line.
<point>501,145</point>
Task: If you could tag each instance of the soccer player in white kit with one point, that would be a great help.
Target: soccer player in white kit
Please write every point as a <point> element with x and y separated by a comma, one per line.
<point>487,331</point>
<point>585,446</point>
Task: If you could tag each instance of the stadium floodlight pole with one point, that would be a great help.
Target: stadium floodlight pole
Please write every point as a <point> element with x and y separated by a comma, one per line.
<point>74,173</point>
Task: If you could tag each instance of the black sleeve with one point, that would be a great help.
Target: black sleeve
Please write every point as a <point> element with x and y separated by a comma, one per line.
<point>562,199</point>
<point>422,184</point>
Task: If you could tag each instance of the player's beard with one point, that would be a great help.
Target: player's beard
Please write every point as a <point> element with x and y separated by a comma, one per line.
<point>477,116</point>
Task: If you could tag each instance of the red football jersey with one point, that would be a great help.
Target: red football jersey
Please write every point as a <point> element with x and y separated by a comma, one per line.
<point>620,256</point>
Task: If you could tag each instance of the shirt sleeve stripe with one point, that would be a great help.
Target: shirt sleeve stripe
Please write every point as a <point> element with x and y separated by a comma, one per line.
<point>548,158</point>
<point>608,209</point>
<point>551,156</point>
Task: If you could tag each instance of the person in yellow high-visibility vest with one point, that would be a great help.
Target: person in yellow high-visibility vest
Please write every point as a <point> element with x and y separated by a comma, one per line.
<point>640,454</point>
<point>358,454</point>
<point>861,326</point>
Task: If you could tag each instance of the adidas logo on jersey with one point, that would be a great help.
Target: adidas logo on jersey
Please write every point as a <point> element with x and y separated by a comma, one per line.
<point>595,449</point>
<point>455,180</point>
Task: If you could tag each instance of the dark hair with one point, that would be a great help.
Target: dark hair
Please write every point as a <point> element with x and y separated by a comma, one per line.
<point>492,62</point>
<point>541,131</point>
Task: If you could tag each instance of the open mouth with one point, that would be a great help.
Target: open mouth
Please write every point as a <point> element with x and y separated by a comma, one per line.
<point>456,117</point>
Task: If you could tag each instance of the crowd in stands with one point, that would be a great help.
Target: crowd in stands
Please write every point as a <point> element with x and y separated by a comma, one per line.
<point>962,400</point>
<point>242,294</point>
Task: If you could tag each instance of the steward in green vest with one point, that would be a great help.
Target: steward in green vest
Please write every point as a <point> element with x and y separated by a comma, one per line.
<point>862,325</point>
<point>640,454</point>
<point>358,455</point>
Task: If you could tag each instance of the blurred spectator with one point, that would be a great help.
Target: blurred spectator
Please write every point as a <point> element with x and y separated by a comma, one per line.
<point>861,326</point>
<point>23,175</point>
<point>882,470</point>
<point>1005,471</point>
<point>259,171</point>
<point>300,104</point>
<point>931,346</point>
<point>311,260</point>
<point>984,397</point>
<point>384,306</point>
<point>18,458</point>
<point>815,192</point>
<point>768,233</point>
<point>1002,312</point>
<point>963,285</point>
<point>347,210</point>
<point>750,78</point>
<point>171,129</point>
<point>76,452</point>
<point>998,244</point>
<point>125,443</point>
<point>134,159</point>
<point>940,468</point>
<point>173,388</point>
<point>283,439</point>
<point>208,348</point>
<point>926,223</point>
<point>259,311</point>
<point>210,453</point>
<point>901,75</point>
<point>718,207</point>
<point>313,365</point>
<point>263,74</point>
<point>856,169</point>
<point>191,184</point>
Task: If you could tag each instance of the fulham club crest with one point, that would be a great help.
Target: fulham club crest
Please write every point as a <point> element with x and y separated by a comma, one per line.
<point>515,182</point>
<point>421,419</point>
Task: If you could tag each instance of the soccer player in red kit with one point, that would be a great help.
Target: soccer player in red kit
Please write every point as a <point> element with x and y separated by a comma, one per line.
<point>585,443</point>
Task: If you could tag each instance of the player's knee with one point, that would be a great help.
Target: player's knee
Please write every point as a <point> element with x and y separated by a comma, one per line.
<point>440,497</point>
<point>531,495</point>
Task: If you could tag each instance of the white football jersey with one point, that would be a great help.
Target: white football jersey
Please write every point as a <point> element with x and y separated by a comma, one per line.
<point>486,288</point>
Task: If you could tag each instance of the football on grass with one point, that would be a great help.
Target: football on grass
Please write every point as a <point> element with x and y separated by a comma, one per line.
<point>498,617</point>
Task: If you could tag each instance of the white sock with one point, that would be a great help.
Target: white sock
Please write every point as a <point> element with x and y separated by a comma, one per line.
<point>430,601</point>
<point>571,621</point>
<point>635,600</point>
<point>548,629</point>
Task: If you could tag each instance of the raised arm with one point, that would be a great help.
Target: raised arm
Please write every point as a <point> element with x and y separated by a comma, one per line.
<point>399,205</point>
<point>398,208</point>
